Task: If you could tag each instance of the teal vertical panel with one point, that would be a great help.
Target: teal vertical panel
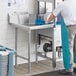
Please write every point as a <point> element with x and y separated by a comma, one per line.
<point>11,68</point>
<point>0,65</point>
<point>65,44</point>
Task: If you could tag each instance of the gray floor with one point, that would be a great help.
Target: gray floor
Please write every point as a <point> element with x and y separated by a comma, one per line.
<point>41,67</point>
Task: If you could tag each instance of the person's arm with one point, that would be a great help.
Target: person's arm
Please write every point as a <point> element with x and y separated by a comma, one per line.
<point>55,13</point>
<point>51,17</point>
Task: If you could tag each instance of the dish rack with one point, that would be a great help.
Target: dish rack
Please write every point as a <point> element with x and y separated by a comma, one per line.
<point>11,52</point>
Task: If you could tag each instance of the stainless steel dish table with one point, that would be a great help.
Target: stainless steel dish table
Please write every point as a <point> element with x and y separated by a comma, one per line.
<point>30,28</point>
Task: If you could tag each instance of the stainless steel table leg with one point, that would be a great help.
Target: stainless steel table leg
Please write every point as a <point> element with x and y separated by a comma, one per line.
<point>36,46</point>
<point>54,47</point>
<point>16,46</point>
<point>54,51</point>
<point>29,49</point>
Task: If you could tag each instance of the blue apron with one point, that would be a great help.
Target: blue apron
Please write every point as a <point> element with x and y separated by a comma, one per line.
<point>65,45</point>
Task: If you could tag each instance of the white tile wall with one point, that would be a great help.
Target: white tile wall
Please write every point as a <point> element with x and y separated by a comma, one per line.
<point>3,21</point>
<point>7,32</point>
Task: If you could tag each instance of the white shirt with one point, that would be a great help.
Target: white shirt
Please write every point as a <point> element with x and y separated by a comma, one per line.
<point>68,11</point>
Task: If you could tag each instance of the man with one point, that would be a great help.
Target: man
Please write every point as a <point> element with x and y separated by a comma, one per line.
<point>68,11</point>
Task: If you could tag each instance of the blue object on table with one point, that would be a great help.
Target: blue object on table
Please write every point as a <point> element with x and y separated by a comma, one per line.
<point>65,45</point>
<point>50,22</point>
<point>11,68</point>
<point>39,21</point>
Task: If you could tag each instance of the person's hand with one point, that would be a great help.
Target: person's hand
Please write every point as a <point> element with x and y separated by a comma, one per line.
<point>46,22</point>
